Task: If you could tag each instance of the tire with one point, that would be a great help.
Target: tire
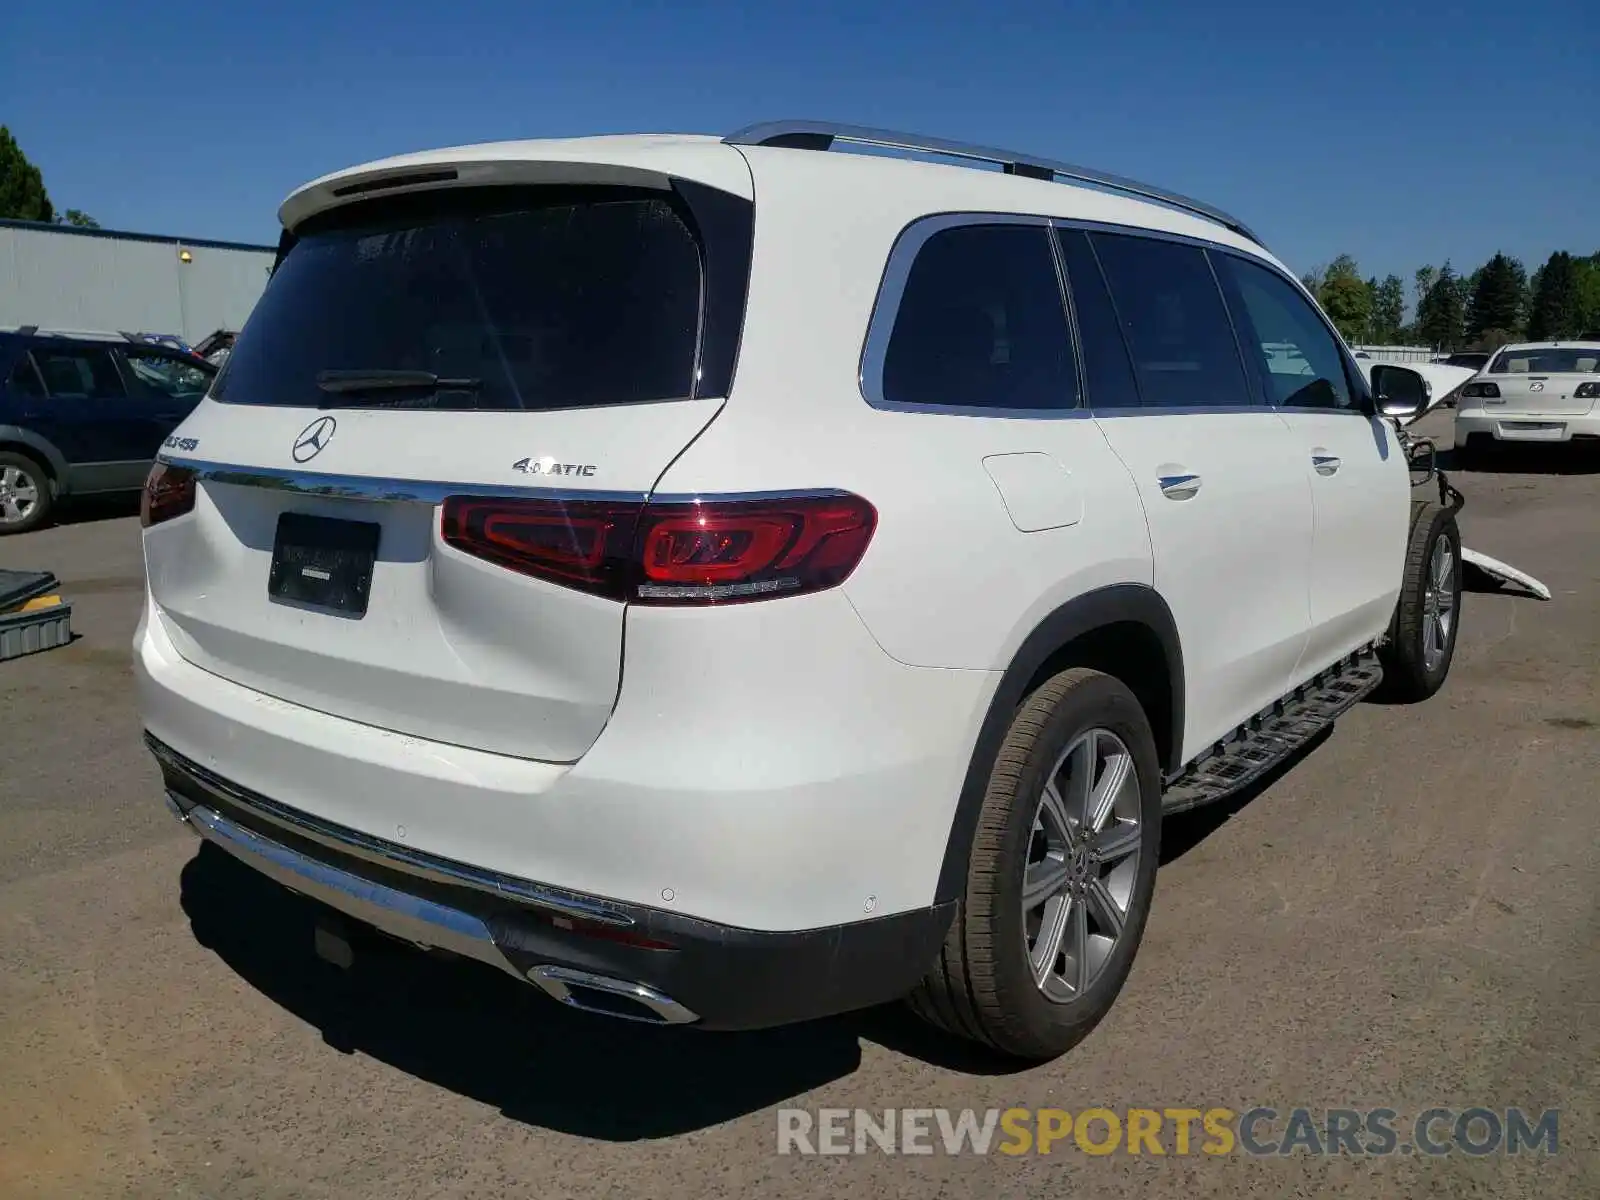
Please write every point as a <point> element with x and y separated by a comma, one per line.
<point>27,494</point>
<point>1421,645</point>
<point>984,987</point>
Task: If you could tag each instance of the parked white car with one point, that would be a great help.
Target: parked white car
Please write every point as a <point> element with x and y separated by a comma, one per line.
<point>732,621</point>
<point>1531,392</point>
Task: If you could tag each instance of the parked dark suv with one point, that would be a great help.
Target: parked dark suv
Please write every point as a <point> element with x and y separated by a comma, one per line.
<point>84,413</point>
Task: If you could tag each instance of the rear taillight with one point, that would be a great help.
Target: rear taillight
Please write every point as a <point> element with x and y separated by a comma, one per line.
<point>1480,391</point>
<point>168,492</point>
<point>694,552</point>
<point>1588,391</point>
<point>582,545</point>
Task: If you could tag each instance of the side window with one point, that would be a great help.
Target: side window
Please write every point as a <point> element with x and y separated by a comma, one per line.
<point>78,373</point>
<point>1172,314</point>
<point>1299,360</point>
<point>155,375</point>
<point>24,379</point>
<point>1109,382</point>
<point>981,324</point>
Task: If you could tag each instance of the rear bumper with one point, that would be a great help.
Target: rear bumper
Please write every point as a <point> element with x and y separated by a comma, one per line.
<point>1526,427</point>
<point>580,949</point>
<point>767,767</point>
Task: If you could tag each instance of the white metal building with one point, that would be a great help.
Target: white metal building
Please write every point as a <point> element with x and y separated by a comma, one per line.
<point>62,277</point>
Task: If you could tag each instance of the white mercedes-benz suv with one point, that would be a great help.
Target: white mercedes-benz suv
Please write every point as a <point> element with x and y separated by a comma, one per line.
<point>726,581</point>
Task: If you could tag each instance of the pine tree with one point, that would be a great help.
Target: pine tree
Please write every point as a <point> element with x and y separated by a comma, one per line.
<point>1496,297</point>
<point>1441,313</point>
<point>1556,308</point>
<point>22,194</point>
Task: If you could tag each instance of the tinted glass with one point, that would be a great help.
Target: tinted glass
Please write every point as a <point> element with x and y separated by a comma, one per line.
<point>77,372</point>
<point>1173,318</point>
<point>1298,358</point>
<point>981,324</point>
<point>1109,381</point>
<point>521,299</point>
<point>160,375</point>
<point>24,380</point>
<point>1576,360</point>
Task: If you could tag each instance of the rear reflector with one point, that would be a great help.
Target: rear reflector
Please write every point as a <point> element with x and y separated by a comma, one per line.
<point>168,492</point>
<point>699,552</point>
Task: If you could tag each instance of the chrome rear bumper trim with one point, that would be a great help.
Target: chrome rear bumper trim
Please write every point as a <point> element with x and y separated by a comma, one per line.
<point>381,852</point>
<point>421,921</point>
<point>398,913</point>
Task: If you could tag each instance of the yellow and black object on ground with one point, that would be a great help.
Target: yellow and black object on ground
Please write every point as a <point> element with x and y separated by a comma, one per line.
<point>33,616</point>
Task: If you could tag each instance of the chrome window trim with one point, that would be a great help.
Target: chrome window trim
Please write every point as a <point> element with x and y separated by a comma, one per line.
<point>886,310</point>
<point>1183,410</point>
<point>1356,379</point>
<point>910,240</point>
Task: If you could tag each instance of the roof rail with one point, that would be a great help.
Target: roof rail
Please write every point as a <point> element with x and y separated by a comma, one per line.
<point>102,335</point>
<point>821,135</point>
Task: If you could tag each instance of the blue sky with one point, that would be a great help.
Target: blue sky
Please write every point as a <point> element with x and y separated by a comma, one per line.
<point>1358,127</point>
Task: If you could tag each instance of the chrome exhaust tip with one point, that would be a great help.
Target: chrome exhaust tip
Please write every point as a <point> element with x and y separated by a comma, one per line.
<point>609,997</point>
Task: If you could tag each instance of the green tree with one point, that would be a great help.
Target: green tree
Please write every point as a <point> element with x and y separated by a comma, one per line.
<point>1441,314</point>
<point>1346,298</point>
<point>1388,309</point>
<point>1424,280</point>
<point>1496,296</point>
<point>1588,273</point>
<point>1556,311</point>
<point>76,216</point>
<point>22,194</point>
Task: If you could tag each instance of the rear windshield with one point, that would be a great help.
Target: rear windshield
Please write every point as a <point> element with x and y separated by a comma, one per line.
<point>514,299</point>
<point>1575,360</point>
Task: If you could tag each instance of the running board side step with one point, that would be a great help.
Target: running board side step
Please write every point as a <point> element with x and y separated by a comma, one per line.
<point>1268,738</point>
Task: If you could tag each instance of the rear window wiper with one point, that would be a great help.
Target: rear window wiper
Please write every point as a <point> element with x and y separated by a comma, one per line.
<point>343,382</point>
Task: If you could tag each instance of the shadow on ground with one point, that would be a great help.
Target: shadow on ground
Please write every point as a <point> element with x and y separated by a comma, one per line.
<point>79,510</point>
<point>1509,458</point>
<point>1184,831</point>
<point>480,1033</point>
<point>471,1029</point>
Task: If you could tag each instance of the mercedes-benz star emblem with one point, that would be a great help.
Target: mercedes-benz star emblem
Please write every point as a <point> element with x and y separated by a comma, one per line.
<point>313,438</point>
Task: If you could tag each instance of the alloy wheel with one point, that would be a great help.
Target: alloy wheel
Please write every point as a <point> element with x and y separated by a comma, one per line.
<point>1438,604</point>
<point>19,495</point>
<point>1083,859</point>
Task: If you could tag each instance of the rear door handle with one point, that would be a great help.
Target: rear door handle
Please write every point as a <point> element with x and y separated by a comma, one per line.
<point>1326,464</point>
<point>1179,487</point>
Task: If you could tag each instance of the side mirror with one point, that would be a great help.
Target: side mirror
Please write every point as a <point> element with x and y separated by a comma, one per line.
<point>1399,391</point>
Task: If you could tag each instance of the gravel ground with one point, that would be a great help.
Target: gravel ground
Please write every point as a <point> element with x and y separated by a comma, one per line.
<point>1409,917</point>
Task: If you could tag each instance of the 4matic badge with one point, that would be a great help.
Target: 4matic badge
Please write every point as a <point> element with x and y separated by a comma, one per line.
<point>549,466</point>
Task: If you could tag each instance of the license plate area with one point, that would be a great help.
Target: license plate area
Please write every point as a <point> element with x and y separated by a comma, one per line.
<point>1533,431</point>
<point>323,562</point>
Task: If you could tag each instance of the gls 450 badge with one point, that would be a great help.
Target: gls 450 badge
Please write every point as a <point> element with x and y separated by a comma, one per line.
<point>549,466</point>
